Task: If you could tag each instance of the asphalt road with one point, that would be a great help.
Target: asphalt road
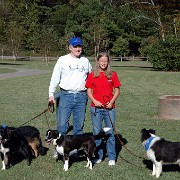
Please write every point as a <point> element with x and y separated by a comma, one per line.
<point>21,72</point>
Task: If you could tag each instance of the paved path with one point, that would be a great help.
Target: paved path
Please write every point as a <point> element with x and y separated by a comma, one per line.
<point>21,73</point>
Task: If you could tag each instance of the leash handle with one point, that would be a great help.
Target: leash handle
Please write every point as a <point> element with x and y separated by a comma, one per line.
<point>51,106</point>
<point>47,121</point>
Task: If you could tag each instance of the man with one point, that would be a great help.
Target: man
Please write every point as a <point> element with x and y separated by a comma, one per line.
<point>71,72</point>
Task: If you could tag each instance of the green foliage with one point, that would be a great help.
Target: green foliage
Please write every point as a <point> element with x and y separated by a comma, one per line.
<point>23,25</point>
<point>120,47</point>
<point>59,17</point>
<point>164,55</point>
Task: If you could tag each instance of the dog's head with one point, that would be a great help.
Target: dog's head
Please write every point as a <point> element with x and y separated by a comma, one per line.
<point>5,131</point>
<point>51,135</point>
<point>6,136</point>
<point>146,134</point>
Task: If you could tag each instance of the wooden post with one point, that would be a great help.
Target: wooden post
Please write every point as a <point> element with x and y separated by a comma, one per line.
<point>2,57</point>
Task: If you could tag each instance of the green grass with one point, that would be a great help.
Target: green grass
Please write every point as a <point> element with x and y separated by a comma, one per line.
<point>137,107</point>
<point>6,70</point>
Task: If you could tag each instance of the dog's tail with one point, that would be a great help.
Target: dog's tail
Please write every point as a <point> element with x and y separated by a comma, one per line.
<point>102,133</point>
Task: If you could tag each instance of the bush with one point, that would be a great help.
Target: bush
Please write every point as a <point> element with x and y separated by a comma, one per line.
<point>120,47</point>
<point>164,55</point>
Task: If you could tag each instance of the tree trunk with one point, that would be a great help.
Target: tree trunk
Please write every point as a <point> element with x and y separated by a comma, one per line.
<point>175,29</point>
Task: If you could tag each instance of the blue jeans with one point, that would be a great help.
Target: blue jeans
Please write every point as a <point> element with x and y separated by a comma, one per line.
<point>97,116</point>
<point>75,104</point>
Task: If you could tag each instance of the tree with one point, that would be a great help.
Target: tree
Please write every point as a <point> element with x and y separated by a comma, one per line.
<point>15,34</point>
<point>120,47</point>
<point>164,55</point>
<point>46,42</point>
<point>82,21</point>
<point>28,12</point>
<point>150,12</point>
<point>58,18</point>
<point>5,8</point>
<point>99,22</point>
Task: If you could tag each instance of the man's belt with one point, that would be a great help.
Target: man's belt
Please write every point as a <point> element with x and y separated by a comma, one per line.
<point>74,92</point>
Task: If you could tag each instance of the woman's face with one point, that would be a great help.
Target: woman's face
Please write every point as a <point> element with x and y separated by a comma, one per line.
<point>75,50</point>
<point>103,63</point>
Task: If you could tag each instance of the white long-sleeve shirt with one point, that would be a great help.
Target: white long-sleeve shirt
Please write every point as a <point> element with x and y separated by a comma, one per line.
<point>70,73</point>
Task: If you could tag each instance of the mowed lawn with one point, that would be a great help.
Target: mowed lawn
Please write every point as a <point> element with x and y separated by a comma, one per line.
<point>23,98</point>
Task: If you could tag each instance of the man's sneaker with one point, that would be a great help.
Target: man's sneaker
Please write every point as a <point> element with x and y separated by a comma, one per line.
<point>97,161</point>
<point>111,163</point>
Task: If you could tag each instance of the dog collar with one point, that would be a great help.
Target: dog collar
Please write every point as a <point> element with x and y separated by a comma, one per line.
<point>148,143</point>
<point>3,126</point>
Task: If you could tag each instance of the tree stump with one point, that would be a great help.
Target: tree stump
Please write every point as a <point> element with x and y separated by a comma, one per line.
<point>169,107</point>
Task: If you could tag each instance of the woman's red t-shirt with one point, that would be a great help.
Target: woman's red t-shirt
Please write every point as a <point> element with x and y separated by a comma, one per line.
<point>102,86</point>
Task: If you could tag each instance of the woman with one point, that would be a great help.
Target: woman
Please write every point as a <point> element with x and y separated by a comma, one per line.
<point>103,89</point>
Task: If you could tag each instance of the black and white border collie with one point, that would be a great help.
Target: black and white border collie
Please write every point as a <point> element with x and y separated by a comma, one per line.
<point>65,144</point>
<point>159,150</point>
<point>12,144</point>
<point>24,140</point>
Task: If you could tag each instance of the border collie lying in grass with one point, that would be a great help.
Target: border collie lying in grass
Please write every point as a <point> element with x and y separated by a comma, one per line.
<point>32,135</point>
<point>13,144</point>
<point>160,151</point>
<point>25,140</point>
<point>67,143</point>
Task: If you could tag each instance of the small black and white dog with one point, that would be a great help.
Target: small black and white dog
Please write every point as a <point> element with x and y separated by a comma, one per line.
<point>65,144</point>
<point>13,143</point>
<point>159,150</point>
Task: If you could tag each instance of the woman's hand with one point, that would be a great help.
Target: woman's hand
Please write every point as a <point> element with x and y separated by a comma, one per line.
<point>109,105</point>
<point>98,104</point>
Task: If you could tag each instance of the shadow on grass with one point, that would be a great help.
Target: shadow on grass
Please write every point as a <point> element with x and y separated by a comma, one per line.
<point>136,67</point>
<point>166,168</point>
<point>10,64</point>
<point>120,141</point>
<point>17,158</point>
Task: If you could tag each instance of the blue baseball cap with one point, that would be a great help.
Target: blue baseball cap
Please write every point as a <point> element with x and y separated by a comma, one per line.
<point>76,41</point>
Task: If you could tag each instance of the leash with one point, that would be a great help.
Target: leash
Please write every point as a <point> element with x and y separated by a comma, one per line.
<point>36,116</point>
<point>123,145</point>
<point>50,108</point>
<point>121,142</point>
<point>132,163</point>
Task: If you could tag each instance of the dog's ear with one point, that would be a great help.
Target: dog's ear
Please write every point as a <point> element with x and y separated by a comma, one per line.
<point>59,135</point>
<point>152,131</point>
<point>56,132</point>
<point>142,130</point>
<point>9,131</point>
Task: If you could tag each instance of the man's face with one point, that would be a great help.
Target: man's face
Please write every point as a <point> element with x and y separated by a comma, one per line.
<point>75,50</point>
